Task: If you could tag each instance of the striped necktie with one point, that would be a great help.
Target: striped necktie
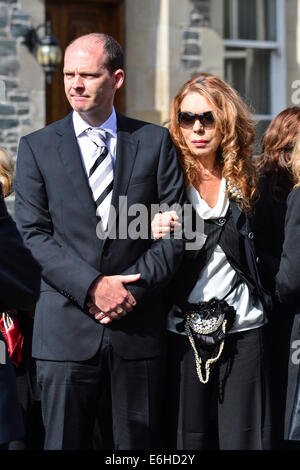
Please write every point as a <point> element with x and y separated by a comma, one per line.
<point>101,175</point>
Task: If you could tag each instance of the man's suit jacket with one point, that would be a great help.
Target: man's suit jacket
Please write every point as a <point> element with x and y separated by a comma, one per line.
<point>19,288</point>
<point>57,216</point>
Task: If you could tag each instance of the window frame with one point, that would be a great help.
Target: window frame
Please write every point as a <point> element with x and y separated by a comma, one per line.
<point>277,59</point>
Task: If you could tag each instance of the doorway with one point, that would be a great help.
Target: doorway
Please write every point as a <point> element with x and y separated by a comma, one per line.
<point>73,18</point>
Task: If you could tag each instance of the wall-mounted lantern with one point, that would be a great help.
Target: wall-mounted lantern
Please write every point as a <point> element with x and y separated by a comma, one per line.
<point>46,49</point>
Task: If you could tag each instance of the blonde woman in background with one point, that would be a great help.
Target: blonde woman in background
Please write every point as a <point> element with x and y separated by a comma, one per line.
<point>275,184</point>
<point>19,288</point>
<point>7,169</point>
<point>288,290</point>
<point>295,163</point>
<point>20,353</point>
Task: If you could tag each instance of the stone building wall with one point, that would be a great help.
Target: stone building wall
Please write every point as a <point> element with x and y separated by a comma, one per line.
<point>22,76</point>
<point>22,105</point>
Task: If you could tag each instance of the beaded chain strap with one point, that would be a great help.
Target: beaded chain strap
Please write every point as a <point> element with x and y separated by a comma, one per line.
<point>205,330</point>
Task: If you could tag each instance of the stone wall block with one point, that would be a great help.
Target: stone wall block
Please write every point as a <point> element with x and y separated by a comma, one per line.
<point>18,29</point>
<point>11,137</point>
<point>22,111</point>
<point>19,71</point>
<point>6,109</point>
<point>8,123</point>
<point>9,66</point>
<point>19,98</point>
<point>3,16</point>
<point>10,83</point>
<point>192,49</point>
<point>18,15</point>
<point>190,35</point>
<point>7,48</point>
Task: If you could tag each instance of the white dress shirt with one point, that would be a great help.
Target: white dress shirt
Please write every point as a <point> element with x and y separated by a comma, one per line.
<point>87,147</point>
<point>217,277</point>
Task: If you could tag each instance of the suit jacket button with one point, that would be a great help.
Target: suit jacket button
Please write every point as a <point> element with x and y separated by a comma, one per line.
<point>251,235</point>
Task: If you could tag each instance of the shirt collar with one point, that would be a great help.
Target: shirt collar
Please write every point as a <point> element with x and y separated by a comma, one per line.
<point>110,125</point>
<point>201,206</point>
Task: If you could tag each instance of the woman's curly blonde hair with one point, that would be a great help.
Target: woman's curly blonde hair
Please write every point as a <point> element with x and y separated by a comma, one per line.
<point>235,155</point>
<point>295,163</point>
<point>7,168</point>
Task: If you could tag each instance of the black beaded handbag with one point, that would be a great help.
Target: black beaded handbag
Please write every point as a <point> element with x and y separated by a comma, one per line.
<point>206,325</point>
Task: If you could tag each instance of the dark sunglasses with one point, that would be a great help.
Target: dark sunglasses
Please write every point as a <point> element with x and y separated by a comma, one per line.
<point>187,120</point>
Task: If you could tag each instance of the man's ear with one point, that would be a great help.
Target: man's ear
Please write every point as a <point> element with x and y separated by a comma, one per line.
<point>119,77</point>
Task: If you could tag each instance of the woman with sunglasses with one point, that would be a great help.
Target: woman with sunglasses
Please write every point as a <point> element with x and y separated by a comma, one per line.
<point>225,405</point>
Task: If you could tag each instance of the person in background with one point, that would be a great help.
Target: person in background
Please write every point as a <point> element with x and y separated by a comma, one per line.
<point>20,284</point>
<point>275,183</point>
<point>213,132</point>
<point>19,338</point>
<point>7,169</point>
<point>11,419</point>
<point>288,291</point>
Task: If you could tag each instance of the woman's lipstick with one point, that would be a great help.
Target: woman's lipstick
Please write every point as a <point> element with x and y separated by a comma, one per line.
<point>199,142</point>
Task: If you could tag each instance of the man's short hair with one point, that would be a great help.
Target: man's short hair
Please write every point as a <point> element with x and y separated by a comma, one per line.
<point>114,53</point>
<point>113,50</point>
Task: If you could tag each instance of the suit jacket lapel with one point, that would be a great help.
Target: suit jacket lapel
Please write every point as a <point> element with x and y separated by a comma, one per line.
<point>125,158</point>
<point>126,152</point>
<point>70,155</point>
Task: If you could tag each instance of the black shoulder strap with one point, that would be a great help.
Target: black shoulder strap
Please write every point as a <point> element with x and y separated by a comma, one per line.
<point>213,229</point>
<point>225,239</point>
<point>189,273</point>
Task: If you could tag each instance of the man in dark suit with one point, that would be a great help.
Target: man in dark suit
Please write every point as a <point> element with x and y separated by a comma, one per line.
<point>100,321</point>
<point>19,288</point>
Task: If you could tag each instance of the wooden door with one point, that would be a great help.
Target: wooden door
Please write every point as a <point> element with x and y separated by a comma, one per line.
<point>70,19</point>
